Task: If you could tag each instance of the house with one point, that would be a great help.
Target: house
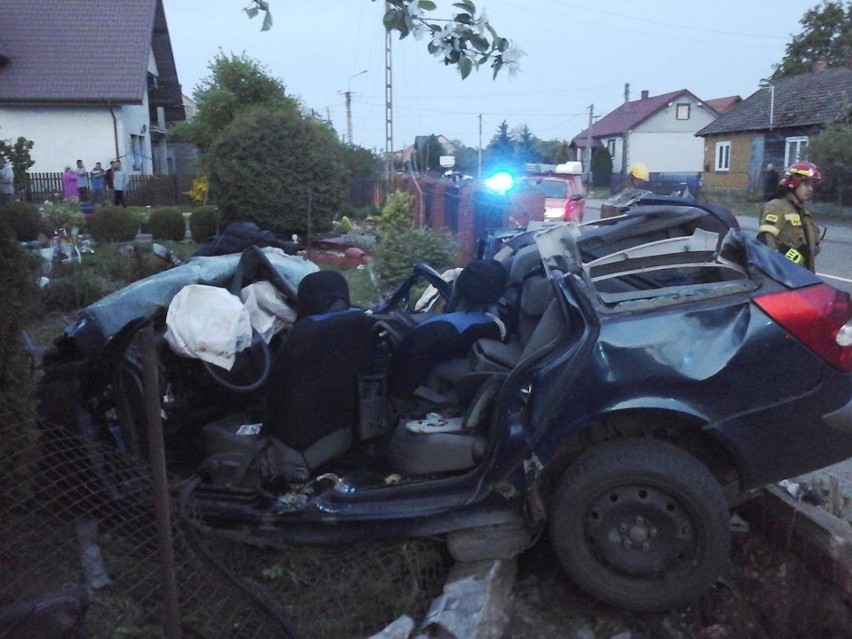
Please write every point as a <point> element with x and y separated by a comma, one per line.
<point>773,125</point>
<point>89,80</point>
<point>405,156</point>
<point>658,131</point>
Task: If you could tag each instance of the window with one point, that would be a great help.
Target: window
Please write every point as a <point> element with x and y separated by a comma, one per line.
<point>682,111</point>
<point>610,146</point>
<point>796,149</point>
<point>723,156</point>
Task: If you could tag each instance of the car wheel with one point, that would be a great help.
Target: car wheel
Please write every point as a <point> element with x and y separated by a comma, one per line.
<point>640,524</point>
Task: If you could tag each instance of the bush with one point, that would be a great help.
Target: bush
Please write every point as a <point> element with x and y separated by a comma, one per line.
<point>77,289</point>
<point>397,213</point>
<point>402,249</point>
<point>60,216</point>
<point>204,223</point>
<point>16,294</point>
<point>166,223</point>
<point>113,224</point>
<point>22,218</point>
<point>269,165</point>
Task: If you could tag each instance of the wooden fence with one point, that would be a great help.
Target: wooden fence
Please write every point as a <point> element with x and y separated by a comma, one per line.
<point>142,190</point>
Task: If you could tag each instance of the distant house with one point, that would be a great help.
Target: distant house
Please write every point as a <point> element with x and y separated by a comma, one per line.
<point>420,141</point>
<point>658,131</point>
<point>89,80</point>
<point>773,125</point>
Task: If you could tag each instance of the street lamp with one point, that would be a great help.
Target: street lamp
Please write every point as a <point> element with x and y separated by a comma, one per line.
<point>767,84</point>
<point>348,95</point>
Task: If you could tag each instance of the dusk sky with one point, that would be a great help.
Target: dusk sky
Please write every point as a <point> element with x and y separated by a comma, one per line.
<point>577,54</point>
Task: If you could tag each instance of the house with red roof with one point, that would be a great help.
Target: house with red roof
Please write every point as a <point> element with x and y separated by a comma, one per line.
<point>658,131</point>
<point>89,80</point>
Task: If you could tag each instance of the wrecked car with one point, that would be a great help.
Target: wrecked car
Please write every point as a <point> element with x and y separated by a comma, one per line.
<point>620,385</point>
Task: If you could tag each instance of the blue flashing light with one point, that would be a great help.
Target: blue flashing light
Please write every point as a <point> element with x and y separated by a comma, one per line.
<point>501,182</point>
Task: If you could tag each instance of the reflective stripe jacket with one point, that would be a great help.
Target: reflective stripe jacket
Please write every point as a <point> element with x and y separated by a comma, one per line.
<point>790,229</point>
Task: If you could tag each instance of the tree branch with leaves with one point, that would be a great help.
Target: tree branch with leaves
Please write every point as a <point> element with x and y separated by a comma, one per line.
<point>466,40</point>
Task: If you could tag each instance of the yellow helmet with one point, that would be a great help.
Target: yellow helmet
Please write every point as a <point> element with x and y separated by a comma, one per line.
<point>639,171</point>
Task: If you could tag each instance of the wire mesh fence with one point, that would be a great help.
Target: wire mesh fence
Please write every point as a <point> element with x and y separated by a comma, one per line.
<point>78,548</point>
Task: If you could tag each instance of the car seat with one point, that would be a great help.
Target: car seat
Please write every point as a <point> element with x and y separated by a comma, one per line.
<point>311,411</point>
<point>526,299</point>
<point>449,335</point>
<point>312,394</point>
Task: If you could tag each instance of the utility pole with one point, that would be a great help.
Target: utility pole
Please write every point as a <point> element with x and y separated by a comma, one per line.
<point>588,167</point>
<point>348,94</point>
<point>388,104</point>
<point>349,117</point>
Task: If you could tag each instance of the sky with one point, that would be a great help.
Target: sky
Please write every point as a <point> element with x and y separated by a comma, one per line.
<point>579,56</point>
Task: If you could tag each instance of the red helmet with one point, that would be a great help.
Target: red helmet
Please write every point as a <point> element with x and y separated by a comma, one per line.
<point>798,171</point>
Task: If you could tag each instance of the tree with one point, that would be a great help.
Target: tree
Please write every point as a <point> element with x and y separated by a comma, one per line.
<point>526,146</point>
<point>19,156</point>
<point>465,41</point>
<point>271,165</point>
<point>237,84</point>
<point>361,163</point>
<point>831,150</point>
<point>601,166</point>
<point>501,148</point>
<point>826,33</point>
<point>429,155</point>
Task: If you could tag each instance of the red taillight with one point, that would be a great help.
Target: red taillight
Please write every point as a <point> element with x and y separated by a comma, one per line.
<point>816,315</point>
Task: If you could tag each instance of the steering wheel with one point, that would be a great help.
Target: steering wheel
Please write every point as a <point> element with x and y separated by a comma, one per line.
<point>245,361</point>
<point>402,299</point>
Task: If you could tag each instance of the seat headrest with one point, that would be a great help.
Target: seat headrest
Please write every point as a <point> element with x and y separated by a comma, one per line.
<point>524,262</point>
<point>481,282</point>
<point>322,292</point>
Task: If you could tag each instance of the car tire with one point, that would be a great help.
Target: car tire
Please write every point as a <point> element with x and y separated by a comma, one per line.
<point>640,524</point>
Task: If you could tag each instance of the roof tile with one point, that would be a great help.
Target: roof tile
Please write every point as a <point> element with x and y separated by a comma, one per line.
<point>80,51</point>
<point>800,101</point>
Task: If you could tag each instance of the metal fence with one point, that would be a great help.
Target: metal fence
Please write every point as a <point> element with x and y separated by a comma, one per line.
<point>79,547</point>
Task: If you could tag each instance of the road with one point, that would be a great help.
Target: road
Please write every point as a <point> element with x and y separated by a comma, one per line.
<point>834,263</point>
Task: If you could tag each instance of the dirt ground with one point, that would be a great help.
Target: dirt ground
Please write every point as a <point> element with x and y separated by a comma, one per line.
<point>766,593</point>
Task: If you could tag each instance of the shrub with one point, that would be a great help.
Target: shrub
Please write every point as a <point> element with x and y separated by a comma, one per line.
<point>16,294</point>
<point>58,216</point>
<point>397,213</point>
<point>204,222</point>
<point>22,218</point>
<point>113,224</point>
<point>78,288</point>
<point>400,250</point>
<point>166,223</point>
<point>271,166</point>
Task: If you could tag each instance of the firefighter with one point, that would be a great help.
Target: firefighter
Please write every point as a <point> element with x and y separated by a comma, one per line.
<point>637,175</point>
<point>785,222</point>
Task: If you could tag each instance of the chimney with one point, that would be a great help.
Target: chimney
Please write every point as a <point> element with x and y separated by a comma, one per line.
<point>820,65</point>
<point>627,92</point>
<point>645,94</point>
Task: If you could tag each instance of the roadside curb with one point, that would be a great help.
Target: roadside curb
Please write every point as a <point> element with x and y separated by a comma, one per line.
<point>811,533</point>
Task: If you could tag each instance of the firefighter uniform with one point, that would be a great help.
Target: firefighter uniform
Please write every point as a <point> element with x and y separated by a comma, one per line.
<point>790,229</point>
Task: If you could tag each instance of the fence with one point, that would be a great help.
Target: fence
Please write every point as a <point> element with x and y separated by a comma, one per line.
<point>142,190</point>
<point>79,549</point>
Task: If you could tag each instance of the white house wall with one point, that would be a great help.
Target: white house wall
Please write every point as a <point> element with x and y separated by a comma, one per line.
<point>668,145</point>
<point>63,135</point>
<point>134,121</point>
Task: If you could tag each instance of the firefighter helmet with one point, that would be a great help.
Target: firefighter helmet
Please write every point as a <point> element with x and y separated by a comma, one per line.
<point>799,171</point>
<point>639,171</point>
